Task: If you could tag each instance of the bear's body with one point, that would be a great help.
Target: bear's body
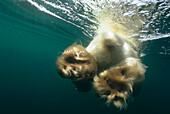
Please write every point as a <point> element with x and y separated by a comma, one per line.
<point>109,49</point>
<point>110,64</point>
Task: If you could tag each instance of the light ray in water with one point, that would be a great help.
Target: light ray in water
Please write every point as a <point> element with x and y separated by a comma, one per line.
<point>144,19</point>
<point>42,8</point>
<point>68,11</point>
<point>154,37</point>
<point>56,6</point>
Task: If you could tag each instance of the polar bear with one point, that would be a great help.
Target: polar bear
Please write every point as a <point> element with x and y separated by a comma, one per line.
<point>109,64</point>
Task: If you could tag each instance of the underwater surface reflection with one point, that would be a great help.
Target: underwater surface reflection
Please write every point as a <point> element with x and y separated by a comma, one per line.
<point>35,32</point>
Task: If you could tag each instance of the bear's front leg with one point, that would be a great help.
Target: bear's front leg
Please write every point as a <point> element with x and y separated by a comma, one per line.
<point>120,83</point>
<point>77,64</point>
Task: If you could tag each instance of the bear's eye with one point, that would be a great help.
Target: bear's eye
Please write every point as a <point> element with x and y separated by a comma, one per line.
<point>123,72</point>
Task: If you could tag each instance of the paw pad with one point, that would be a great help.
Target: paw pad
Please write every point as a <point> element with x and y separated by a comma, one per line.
<point>76,63</point>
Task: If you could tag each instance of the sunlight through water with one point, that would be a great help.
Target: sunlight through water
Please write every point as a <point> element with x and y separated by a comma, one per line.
<point>144,20</point>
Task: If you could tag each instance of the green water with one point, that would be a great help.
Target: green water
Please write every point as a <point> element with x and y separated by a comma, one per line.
<point>30,42</point>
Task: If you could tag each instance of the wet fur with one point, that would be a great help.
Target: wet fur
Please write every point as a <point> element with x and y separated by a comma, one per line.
<point>110,64</point>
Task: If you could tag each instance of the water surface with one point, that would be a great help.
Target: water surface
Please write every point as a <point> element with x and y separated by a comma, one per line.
<point>35,32</point>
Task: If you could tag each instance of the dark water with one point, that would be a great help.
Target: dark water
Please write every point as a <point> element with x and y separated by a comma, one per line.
<point>30,41</point>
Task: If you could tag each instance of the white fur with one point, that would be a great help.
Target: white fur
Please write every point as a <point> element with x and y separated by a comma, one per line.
<point>113,54</point>
<point>110,49</point>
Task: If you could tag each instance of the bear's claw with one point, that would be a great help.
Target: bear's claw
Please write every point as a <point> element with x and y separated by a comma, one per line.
<point>76,63</point>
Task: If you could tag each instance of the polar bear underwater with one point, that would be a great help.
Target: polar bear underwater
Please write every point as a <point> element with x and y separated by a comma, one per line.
<point>110,64</point>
